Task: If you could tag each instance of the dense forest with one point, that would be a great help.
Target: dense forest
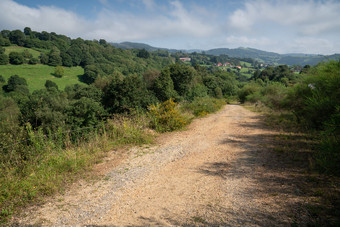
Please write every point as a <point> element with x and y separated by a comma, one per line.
<point>124,86</point>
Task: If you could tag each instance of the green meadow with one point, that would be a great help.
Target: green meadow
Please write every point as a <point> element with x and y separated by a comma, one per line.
<point>18,49</point>
<point>36,75</point>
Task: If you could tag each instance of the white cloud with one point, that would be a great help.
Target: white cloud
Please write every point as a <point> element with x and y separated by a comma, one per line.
<point>111,25</point>
<point>177,21</point>
<point>310,45</point>
<point>16,16</point>
<point>302,17</point>
<point>149,4</point>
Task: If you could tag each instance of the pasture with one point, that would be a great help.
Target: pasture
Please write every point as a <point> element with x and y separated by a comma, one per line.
<point>36,75</point>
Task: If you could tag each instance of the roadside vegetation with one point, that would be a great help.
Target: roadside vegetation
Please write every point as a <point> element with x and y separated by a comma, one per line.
<point>306,112</point>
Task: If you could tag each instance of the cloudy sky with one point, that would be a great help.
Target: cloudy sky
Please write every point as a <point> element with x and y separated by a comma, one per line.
<point>285,26</point>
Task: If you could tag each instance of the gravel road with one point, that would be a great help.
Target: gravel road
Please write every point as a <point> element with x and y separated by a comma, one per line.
<point>219,172</point>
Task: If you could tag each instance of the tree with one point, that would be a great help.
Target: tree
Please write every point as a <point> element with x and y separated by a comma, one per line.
<point>164,86</point>
<point>91,73</point>
<point>76,54</point>
<point>5,33</point>
<point>27,31</point>
<point>16,58</point>
<point>4,59</point>
<point>84,112</point>
<point>102,42</point>
<point>54,58</point>
<point>305,69</point>
<point>50,84</point>
<point>129,93</point>
<point>33,61</point>
<point>66,58</point>
<point>44,58</point>
<point>143,53</point>
<point>2,79</point>
<point>15,81</point>
<point>150,77</point>
<point>4,41</point>
<point>17,37</point>
<point>59,71</point>
<point>182,76</point>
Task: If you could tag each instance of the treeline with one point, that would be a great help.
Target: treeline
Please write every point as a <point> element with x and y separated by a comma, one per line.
<point>310,100</point>
<point>61,50</point>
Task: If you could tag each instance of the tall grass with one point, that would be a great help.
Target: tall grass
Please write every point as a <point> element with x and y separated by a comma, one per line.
<point>41,165</point>
<point>203,106</point>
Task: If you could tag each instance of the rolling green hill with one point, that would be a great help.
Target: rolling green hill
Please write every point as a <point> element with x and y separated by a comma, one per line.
<point>242,52</point>
<point>36,75</point>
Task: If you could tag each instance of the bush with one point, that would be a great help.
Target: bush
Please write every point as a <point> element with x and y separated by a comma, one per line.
<point>16,58</point>
<point>4,59</point>
<point>2,79</point>
<point>59,71</point>
<point>33,61</point>
<point>165,117</point>
<point>248,89</point>
<point>315,98</point>
<point>204,106</point>
<point>128,129</point>
<point>13,82</point>
<point>328,154</point>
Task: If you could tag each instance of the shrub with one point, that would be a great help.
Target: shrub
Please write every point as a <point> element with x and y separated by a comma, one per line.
<point>204,106</point>
<point>328,154</point>
<point>59,71</point>
<point>16,58</point>
<point>33,61</point>
<point>4,59</point>
<point>128,129</point>
<point>165,117</point>
<point>248,89</point>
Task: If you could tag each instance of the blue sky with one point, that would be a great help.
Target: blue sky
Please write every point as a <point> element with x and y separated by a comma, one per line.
<point>285,26</point>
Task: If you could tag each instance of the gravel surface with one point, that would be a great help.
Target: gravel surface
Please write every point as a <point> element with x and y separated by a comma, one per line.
<point>219,172</point>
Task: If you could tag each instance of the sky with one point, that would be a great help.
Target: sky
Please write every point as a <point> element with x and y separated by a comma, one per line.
<point>282,26</point>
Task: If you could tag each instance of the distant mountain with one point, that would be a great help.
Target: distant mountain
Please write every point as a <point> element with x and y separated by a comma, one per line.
<point>242,52</point>
<point>131,45</point>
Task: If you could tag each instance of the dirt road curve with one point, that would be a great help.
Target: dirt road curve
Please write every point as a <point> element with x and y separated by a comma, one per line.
<point>221,171</point>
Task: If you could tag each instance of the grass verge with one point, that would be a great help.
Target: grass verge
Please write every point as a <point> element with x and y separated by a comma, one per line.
<point>296,148</point>
<point>51,162</point>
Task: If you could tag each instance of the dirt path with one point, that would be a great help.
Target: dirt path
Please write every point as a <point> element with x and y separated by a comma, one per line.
<point>221,171</point>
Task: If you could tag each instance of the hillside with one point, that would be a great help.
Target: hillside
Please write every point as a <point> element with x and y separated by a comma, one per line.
<point>242,52</point>
<point>36,75</point>
<point>268,57</point>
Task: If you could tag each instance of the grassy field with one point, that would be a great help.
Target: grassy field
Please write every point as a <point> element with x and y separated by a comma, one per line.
<point>10,49</point>
<point>246,63</point>
<point>36,75</point>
